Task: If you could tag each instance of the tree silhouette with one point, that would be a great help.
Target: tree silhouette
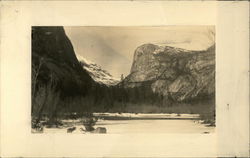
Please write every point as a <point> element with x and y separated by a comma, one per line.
<point>122,77</point>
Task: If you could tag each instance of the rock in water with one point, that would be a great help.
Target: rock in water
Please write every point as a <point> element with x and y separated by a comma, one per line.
<point>173,72</point>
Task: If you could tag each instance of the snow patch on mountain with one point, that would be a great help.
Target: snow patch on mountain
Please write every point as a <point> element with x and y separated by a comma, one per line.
<point>169,47</point>
<point>97,73</point>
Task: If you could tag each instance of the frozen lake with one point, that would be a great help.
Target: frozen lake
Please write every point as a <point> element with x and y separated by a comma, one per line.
<point>153,126</point>
<point>142,123</point>
<point>139,135</point>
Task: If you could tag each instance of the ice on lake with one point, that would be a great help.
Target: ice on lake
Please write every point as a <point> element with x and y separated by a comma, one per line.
<point>142,123</point>
<point>142,135</point>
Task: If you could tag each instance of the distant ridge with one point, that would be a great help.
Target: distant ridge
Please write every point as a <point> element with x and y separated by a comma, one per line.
<point>97,73</point>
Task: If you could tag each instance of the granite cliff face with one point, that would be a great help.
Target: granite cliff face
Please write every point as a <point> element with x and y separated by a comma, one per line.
<point>173,72</point>
<point>54,57</point>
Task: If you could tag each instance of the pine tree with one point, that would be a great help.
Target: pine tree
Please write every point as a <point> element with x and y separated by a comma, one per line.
<point>122,78</point>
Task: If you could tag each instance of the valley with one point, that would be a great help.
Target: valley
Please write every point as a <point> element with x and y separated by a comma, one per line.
<point>163,79</point>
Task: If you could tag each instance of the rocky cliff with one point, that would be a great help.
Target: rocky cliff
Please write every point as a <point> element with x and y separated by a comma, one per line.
<point>173,72</point>
<point>97,73</point>
<point>54,61</point>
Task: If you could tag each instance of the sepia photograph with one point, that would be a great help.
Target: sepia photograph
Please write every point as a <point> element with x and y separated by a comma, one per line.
<point>123,80</point>
<point>145,79</point>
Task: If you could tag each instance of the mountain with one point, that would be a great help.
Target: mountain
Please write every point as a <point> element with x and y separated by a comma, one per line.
<point>174,73</point>
<point>54,57</point>
<point>160,76</point>
<point>97,73</point>
<point>90,44</point>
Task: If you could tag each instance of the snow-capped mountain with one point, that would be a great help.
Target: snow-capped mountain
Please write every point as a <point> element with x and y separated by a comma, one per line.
<point>97,73</point>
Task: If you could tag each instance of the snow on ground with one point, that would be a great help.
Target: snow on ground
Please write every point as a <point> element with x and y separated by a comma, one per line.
<point>138,138</point>
<point>143,126</point>
<point>132,126</point>
<point>153,126</point>
<point>154,115</point>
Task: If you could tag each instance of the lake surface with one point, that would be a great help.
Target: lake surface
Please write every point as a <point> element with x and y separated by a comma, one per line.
<point>153,126</point>
<point>150,135</point>
<point>128,123</point>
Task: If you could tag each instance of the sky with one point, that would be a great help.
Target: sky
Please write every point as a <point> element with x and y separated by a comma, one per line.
<point>113,47</point>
